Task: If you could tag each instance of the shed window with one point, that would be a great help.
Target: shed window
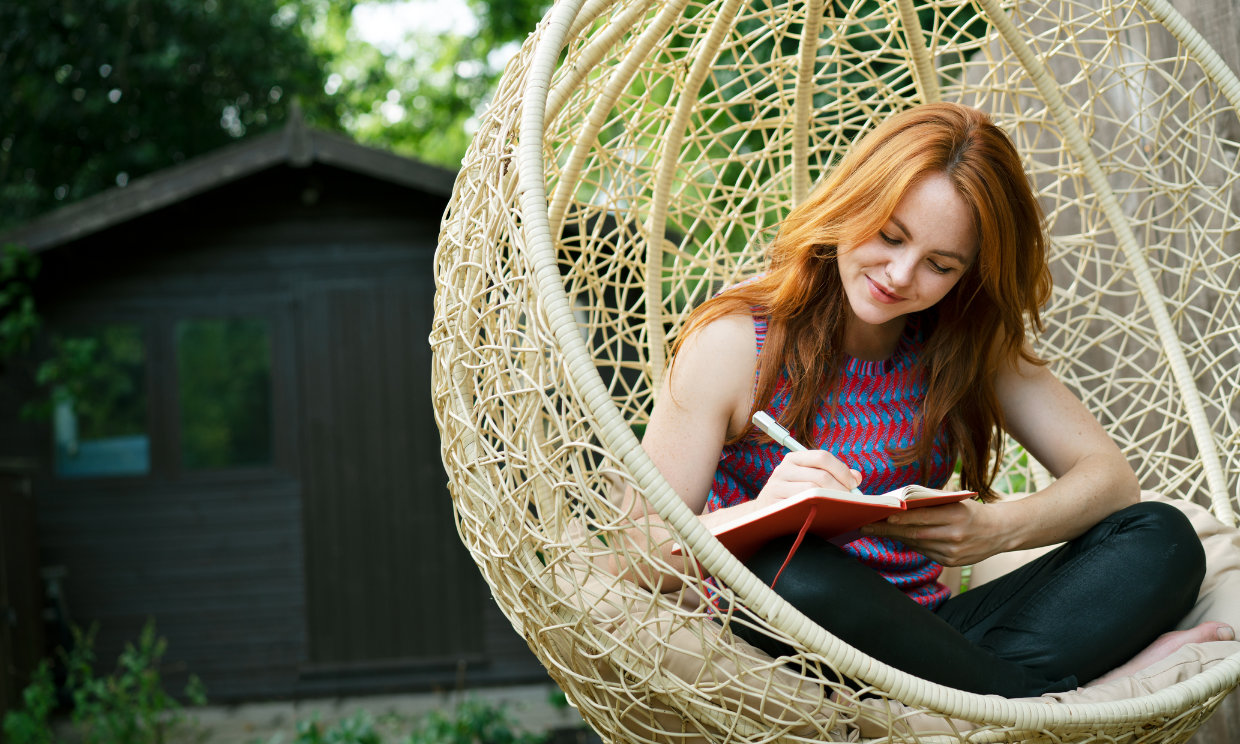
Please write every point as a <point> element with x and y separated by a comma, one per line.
<point>100,422</point>
<point>224,374</point>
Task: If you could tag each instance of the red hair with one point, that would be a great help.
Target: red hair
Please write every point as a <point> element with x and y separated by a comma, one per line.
<point>978,326</point>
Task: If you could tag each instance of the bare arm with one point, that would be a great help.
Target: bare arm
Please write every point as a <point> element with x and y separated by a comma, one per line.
<point>706,398</point>
<point>1093,479</point>
<point>698,404</point>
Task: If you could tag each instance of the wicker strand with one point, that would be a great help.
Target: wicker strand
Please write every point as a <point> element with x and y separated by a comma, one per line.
<point>702,55</point>
<point>1229,84</point>
<point>924,74</point>
<point>805,101</point>
<point>601,108</point>
<point>1074,139</point>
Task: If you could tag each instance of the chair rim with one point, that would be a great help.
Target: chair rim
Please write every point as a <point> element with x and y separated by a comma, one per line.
<point>622,442</point>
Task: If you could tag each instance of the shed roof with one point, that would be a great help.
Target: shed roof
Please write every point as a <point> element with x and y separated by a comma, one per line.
<point>295,145</point>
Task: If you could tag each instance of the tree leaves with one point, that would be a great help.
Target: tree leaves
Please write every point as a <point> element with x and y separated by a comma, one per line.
<point>100,92</point>
<point>421,100</point>
<point>103,91</point>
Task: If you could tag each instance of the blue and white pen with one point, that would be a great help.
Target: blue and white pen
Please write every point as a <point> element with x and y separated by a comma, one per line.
<point>763,421</point>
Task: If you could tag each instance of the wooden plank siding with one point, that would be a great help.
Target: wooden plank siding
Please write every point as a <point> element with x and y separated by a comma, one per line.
<point>21,593</point>
<point>336,569</point>
<point>379,567</point>
<point>218,569</point>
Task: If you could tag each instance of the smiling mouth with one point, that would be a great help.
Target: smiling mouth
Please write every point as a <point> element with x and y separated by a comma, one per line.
<point>881,294</point>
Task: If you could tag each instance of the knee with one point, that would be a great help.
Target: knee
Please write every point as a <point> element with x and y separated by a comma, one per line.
<point>1167,537</point>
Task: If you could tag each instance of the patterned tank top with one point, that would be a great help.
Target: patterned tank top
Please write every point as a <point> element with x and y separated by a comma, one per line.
<point>875,416</point>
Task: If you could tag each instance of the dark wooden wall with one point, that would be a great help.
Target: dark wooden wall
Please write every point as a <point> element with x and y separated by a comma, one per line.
<point>367,382</point>
<point>337,568</point>
<point>21,595</point>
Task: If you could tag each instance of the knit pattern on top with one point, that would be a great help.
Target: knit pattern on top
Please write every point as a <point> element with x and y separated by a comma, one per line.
<point>877,406</point>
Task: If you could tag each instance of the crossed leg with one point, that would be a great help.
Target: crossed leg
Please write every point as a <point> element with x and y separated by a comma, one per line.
<point>1099,603</point>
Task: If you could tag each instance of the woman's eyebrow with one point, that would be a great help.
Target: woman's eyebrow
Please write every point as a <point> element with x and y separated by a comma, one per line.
<point>903,229</point>
<point>959,257</point>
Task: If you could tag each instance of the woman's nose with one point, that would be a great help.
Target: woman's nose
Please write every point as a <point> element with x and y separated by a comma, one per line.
<point>900,270</point>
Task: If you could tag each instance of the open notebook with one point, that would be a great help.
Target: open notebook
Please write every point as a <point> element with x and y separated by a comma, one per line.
<point>833,515</point>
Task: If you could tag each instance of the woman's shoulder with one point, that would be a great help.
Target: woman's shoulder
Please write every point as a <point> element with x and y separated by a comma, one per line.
<point>730,334</point>
<point>714,368</point>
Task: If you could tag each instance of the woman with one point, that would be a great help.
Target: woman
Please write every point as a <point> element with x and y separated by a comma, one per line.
<point>888,334</point>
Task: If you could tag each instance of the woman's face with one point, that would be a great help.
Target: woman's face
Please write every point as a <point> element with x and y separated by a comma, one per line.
<point>909,265</point>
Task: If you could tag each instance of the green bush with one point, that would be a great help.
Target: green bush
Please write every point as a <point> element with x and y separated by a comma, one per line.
<point>30,724</point>
<point>127,706</point>
<point>130,706</point>
<point>472,722</point>
<point>356,729</point>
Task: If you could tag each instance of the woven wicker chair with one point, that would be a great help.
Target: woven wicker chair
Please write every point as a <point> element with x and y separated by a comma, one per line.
<point>635,157</point>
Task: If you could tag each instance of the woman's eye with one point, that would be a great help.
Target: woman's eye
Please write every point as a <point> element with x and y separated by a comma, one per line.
<point>939,268</point>
<point>889,239</point>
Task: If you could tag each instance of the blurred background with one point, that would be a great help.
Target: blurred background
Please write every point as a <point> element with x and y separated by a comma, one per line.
<point>219,470</point>
<point>99,92</point>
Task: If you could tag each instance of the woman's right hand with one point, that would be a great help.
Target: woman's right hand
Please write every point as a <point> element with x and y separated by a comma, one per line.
<point>800,471</point>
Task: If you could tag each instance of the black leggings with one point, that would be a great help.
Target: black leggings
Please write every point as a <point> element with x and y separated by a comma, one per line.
<point>1061,620</point>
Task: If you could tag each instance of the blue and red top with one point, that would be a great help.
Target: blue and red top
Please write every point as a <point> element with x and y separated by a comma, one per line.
<point>877,405</point>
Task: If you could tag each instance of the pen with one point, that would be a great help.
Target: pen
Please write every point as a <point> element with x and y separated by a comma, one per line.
<point>763,421</point>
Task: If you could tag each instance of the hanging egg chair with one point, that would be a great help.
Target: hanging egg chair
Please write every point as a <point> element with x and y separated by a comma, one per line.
<point>635,158</point>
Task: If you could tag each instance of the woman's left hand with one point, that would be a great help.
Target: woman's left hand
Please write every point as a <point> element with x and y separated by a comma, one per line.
<point>1091,479</point>
<point>959,534</point>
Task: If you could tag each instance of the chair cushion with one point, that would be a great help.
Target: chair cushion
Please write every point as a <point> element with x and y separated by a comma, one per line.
<point>1183,665</point>
<point>1219,598</point>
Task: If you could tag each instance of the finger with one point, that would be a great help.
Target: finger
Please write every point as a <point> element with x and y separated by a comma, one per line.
<point>908,537</point>
<point>928,541</point>
<point>945,514</point>
<point>812,478</point>
<point>882,528</point>
<point>800,470</point>
<point>828,463</point>
<point>903,532</point>
<point>780,488</point>
<point>910,519</point>
<point>943,554</point>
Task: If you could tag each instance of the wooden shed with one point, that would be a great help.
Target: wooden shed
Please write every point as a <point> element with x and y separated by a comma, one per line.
<point>253,462</point>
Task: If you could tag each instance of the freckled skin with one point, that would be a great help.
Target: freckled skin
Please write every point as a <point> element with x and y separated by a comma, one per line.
<point>909,265</point>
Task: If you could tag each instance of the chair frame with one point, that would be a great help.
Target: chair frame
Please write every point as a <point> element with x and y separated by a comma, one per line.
<point>505,424</point>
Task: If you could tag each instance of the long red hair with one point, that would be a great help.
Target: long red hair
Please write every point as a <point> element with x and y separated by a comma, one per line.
<point>978,326</point>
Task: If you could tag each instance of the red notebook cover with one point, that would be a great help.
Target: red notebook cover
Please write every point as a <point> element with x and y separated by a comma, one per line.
<point>834,515</point>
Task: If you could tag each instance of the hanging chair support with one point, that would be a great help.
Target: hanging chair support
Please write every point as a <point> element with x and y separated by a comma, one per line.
<point>600,109</point>
<point>669,163</point>
<point>810,32</point>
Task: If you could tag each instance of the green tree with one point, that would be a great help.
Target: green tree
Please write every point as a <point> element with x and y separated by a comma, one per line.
<point>98,92</point>
<point>420,105</point>
<point>420,98</point>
